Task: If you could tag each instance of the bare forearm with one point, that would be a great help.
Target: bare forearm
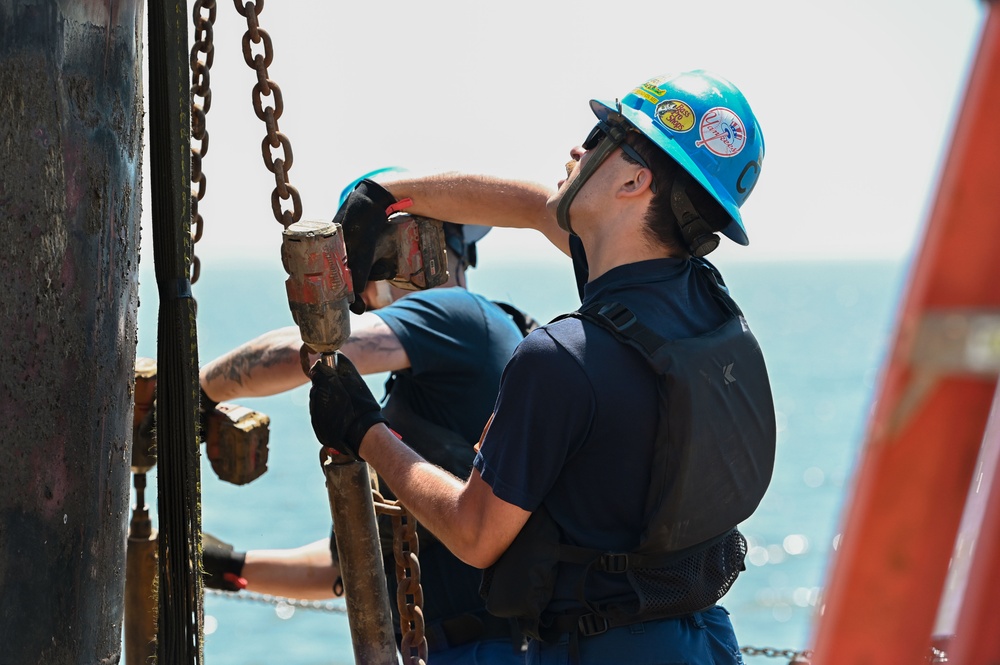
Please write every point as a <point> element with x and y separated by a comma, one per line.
<point>266,365</point>
<point>484,200</point>
<point>271,363</point>
<point>306,572</point>
<point>430,492</point>
<point>441,502</point>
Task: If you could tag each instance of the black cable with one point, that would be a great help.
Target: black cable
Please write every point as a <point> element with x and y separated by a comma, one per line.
<point>181,609</point>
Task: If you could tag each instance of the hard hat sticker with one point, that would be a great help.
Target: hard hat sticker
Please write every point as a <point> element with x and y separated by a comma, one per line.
<point>639,92</point>
<point>675,115</point>
<point>722,132</point>
<point>651,86</point>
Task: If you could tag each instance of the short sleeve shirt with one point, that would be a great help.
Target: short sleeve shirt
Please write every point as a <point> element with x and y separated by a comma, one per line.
<point>458,343</point>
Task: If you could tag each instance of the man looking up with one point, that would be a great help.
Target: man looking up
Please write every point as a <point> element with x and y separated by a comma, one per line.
<point>630,438</point>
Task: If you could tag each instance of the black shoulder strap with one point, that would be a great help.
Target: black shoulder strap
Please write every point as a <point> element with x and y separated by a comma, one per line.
<point>622,323</point>
<point>524,322</point>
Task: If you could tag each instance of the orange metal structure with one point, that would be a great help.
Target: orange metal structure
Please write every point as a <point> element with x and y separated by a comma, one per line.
<point>929,423</point>
<point>973,622</point>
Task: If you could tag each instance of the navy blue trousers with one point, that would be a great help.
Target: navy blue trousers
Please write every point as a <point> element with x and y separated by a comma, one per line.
<point>703,638</point>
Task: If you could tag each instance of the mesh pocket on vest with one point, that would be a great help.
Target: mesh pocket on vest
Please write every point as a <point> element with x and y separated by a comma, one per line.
<point>693,583</point>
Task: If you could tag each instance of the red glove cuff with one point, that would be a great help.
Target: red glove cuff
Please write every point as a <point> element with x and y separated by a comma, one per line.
<point>398,206</point>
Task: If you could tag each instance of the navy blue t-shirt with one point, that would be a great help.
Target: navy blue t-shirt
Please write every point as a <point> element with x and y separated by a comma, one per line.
<point>576,418</point>
<point>458,343</point>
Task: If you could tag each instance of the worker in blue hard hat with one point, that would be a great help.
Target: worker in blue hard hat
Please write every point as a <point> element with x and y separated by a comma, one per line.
<point>445,349</point>
<point>630,437</point>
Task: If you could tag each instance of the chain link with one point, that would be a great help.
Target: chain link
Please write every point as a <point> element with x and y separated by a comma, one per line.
<point>794,657</point>
<point>332,607</point>
<point>405,545</point>
<point>203,17</point>
<point>805,657</point>
<point>274,139</point>
<point>409,593</point>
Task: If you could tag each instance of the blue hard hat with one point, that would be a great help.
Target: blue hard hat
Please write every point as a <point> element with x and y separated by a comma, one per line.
<point>706,125</point>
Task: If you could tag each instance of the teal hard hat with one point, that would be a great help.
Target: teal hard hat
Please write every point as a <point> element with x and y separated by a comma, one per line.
<point>706,125</point>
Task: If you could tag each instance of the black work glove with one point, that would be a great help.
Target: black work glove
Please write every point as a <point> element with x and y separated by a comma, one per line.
<point>363,217</point>
<point>341,406</point>
<point>223,565</point>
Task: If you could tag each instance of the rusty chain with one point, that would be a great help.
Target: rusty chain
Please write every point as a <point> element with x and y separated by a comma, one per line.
<point>329,606</point>
<point>805,657</point>
<point>203,17</point>
<point>274,139</point>
<point>794,657</point>
<point>409,593</point>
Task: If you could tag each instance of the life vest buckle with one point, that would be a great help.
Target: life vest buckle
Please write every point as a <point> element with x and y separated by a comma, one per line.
<point>613,563</point>
<point>618,315</point>
<point>592,624</point>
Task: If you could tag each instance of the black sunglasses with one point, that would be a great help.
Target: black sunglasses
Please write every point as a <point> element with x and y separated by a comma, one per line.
<point>600,132</point>
<point>595,136</point>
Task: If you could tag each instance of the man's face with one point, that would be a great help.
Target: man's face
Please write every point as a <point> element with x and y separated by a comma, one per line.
<point>577,155</point>
<point>589,199</point>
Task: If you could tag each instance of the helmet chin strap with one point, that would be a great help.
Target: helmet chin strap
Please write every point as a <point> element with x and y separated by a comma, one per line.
<point>696,232</point>
<point>614,137</point>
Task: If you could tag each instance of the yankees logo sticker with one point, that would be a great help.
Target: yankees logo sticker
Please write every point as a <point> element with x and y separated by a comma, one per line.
<point>722,132</point>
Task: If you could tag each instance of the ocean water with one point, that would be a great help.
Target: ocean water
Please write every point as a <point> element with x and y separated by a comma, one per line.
<point>823,327</point>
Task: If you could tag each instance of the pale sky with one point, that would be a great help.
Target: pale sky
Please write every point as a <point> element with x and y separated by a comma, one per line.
<point>855,98</point>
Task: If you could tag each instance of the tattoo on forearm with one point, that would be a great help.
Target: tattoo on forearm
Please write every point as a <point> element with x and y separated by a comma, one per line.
<point>375,349</point>
<point>240,364</point>
<point>376,345</point>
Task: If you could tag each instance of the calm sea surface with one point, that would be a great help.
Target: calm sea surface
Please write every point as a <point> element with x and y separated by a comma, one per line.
<point>823,328</point>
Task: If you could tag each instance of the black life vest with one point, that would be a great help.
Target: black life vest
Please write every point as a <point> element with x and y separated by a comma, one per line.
<point>712,464</point>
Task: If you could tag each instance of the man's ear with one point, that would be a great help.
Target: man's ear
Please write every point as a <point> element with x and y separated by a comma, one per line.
<point>641,179</point>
